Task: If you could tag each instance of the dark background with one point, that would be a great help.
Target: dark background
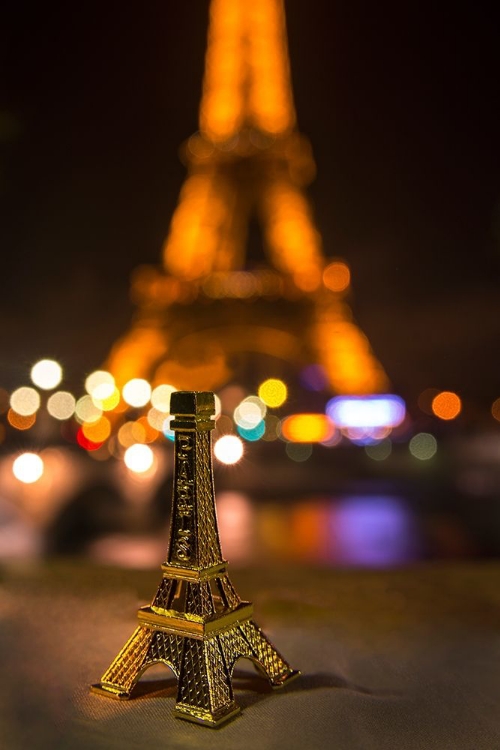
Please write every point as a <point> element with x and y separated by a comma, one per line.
<point>400,101</point>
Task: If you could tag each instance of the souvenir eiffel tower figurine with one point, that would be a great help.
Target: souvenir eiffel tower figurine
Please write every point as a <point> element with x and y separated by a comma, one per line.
<point>197,625</point>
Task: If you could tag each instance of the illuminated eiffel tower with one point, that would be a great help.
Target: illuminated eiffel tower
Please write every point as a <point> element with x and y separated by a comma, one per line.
<point>202,314</point>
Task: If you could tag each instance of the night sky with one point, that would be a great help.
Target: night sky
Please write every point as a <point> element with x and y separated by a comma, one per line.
<point>400,101</point>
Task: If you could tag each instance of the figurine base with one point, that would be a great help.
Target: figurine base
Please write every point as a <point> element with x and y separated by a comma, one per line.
<point>100,689</point>
<point>280,683</point>
<point>198,716</point>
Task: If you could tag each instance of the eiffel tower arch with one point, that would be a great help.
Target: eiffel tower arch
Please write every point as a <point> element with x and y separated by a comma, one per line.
<point>209,308</point>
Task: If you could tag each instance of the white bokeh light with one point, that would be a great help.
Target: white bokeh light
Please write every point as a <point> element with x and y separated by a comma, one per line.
<point>25,401</point>
<point>61,405</point>
<point>28,468</point>
<point>46,374</point>
<point>228,449</point>
<point>138,458</point>
<point>100,385</point>
<point>136,392</point>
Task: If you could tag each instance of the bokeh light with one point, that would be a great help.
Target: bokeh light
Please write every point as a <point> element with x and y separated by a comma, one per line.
<point>273,392</point>
<point>228,449</point>
<point>25,401</point>
<point>299,451</point>
<point>137,392</point>
<point>46,374</point>
<point>250,412</point>
<point>110,402</point>
<point>423,446</point>
<point>307,428</point>
<point>366,411</point>
<point>156,419</point>
<point>100,385</point>
<point>19,421</point>
<point>61,405</point>
<point>495,409</point>
<point>160,397</point>
<point>86,410</point>
<point>139,458</point>
<point>97,431</point>
<point>446,405</point>
<point>337,276</point>
<point>28,468</point>
<point>85,442</point>
<point>254,433</point>
<point>379,451</point>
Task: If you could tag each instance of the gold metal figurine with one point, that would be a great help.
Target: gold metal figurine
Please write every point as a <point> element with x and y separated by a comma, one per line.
<point>197,625</point>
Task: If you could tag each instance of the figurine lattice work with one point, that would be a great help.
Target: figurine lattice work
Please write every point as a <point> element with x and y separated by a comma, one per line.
<point>197,625</point>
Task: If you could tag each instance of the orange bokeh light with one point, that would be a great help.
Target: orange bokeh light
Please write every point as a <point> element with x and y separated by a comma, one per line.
<point>337,276</point>
<point>307,428</point>
<point>495,409</point>
<point>19,421</point>
<point>446,405</point>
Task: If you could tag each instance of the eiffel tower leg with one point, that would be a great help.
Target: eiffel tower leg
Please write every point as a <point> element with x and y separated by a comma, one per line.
<point>146,647</point>
<point>205,694</point>
<point>267,658</point>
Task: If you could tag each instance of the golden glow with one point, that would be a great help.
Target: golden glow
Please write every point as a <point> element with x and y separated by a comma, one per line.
<point>273,392</point>
<point>346,354</point>
<point>160,398</point>
<point>307,428</point>
<point>446,405</point>
<point>495,409</point>
<point>337,276</point>
<point>247,76</point>
<point>61,405</point>
<point>97,431</point>
<point>136,392</point>
<point>25,401</point>
<point>294,241</point>
<point>46,374</point>
<point>28,468</point>
<point>19,421</point>
<point>139,458</point>
<point>100,385</point>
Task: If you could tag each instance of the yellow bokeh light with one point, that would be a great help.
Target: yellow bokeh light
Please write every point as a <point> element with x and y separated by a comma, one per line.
<point>97,431</point>
<point>100,385</point>
<point>46,374</point>
<point>139,458</point>
<point>273,392</point>
<point>446,405</point>
<point>28,468</point>
<point>337,276</point>
<point>127,434</point>
<point>110,402</point>
<point>136,392</point>
<point>61,405</point>
<point>25,401</point>
<point>307,428</point>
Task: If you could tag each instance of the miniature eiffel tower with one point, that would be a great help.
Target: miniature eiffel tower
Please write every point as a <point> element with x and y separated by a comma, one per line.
<point>197,625</point>
<point>194,326</point>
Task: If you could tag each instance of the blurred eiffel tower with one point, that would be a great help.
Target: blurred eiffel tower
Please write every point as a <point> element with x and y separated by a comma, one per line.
<point>211,314</point>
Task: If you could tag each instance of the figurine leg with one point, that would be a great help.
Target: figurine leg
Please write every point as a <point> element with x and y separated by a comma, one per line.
<point>205,693</point>
<point>262,651</point>
<point>144,648</point>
